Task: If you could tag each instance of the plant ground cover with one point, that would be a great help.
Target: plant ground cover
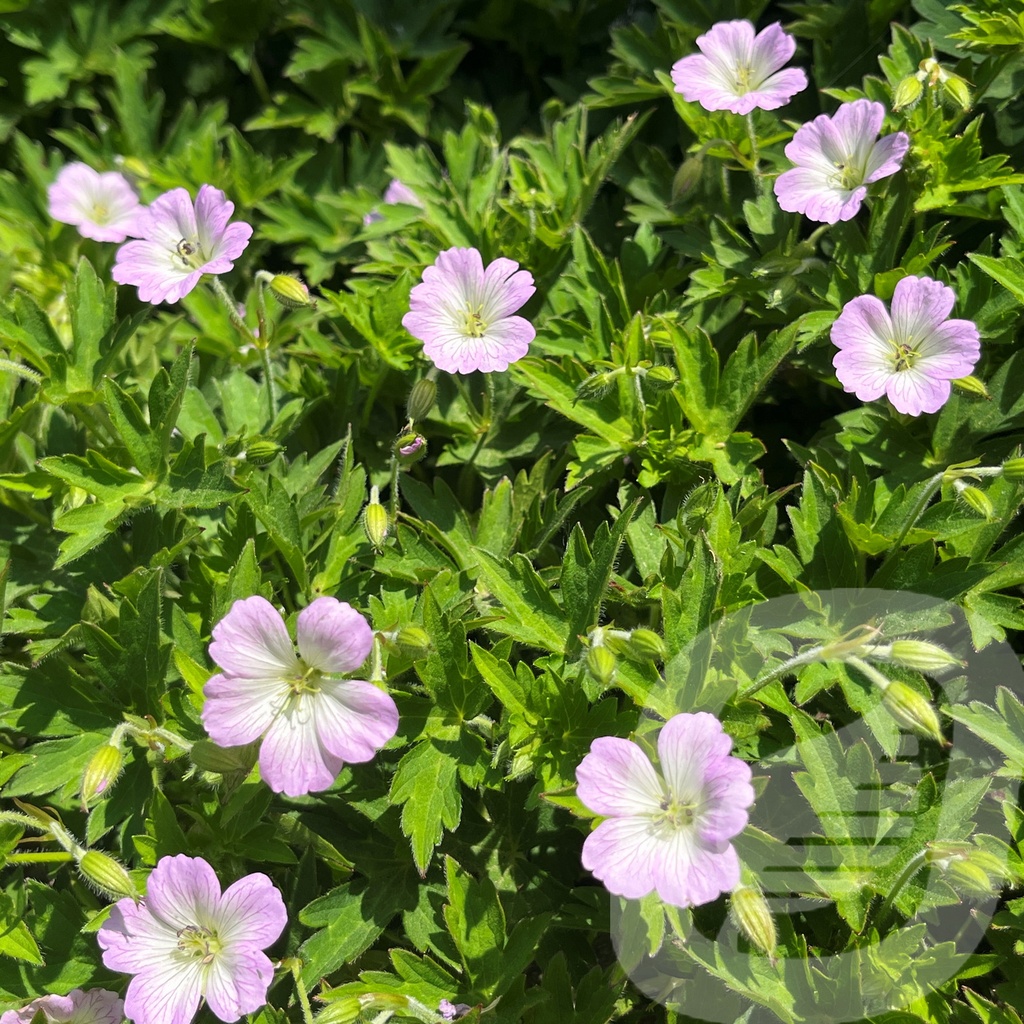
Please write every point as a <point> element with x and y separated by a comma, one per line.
<point>509,511</point>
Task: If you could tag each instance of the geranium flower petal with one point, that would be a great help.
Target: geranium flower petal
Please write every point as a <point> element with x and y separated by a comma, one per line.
<point>617,777</point>
<point>623,854</point>
<point>332,636</point>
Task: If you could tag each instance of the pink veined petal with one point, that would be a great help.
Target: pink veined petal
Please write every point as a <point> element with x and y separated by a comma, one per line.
<point>952,349</point>
<point>97,1006</point>
<point>505,288</point>
<point>688,874</point>
<point>231,244</point>
<point>354,719</point>
<point>183,891</point>
<point>170,218</point>
<point>292,759</point>
<point>237,982</point>
<point>252,912</point>
<point>690,75</point>
<point>456,268</point>
<point>805,190</point>
<point>251,641</point>
<point>727,796</point>
<point>133,940</point>
<point>777,90</point>
<point>914,392</point>
<point>399,192</point>
<point>918,306</point>
<point>687,745</point>
<point>728,45</point>
<point>886,156</point>
<point>213,211</point>
<point>862,379</point>
<point>807,147</point>
<point>857,124</point>
<point>617,778</point>
<point>624,853</point>
<point>167,996</point>
<point>332,636</point>
<point>151,268</point>
<point>772,49</point>
<point>863,324</point>
<point>238,710</point>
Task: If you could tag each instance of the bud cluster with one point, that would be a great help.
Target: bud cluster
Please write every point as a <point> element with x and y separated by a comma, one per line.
<point>931,74</point>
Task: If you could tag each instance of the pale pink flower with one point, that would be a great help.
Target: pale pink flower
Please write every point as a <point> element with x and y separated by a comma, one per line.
<point>187,941</point>
<point>739,71</point>
<point>667,831</point>
<point>909,355</point>
<point>396,192</point>
<point>311,721</point>
<point>462,313</point>
<point>179,242</point>
<point>103,206</point>
<point>96,1006</point>
<point>836,159</point>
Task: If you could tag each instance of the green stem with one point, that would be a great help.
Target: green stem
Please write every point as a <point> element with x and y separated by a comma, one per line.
<point>59,857</point>
<point>300,988</point>
<point>263,341</point>
<point>20,370</point>
<point>755,155</point>
<point>229,304</point>
<point>881,681</point>
<point>393,490</point>
<point>912,868</point>
<point>268,381</point>
<point>814,654</point>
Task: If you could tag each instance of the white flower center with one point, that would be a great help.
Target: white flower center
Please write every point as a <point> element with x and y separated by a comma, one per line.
<point>100,213</point>
<point>904,355</point>
<point>306,680</point>
<point>744,76</point>
<point>473,323</point>
<point>676,814</point>
<point>189,253</point>
<point>199,943</point>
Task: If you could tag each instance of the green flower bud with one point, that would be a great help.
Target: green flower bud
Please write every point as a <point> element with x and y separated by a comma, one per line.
<point>777,266</point>
<point>291,292</point>
<point>647,645</point>
<point>107,875</point>
<point>1013,469</point>
<point>595,387</point>
<point>971,877</point>
<point>661,378</point>
<point>957,90</point>
<point>339,1011</point>
<point>410,448</point>
<point>688,177</point>
<point>261,451</point>
<point>907,93</point>
<point>101,772</point>
<point>232,445</point>
<point>972,386</point>
<point>376,524</point>
<point>601,664</point>
<point>413,642</point>
<point>421,400</point>
<point>976,499</point>
<point>208,757</point>
<point>922,656</point>
<point>912,711</point>
<point>750,913</point>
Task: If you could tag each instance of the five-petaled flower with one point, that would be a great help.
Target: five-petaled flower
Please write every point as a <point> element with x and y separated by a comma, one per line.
<point>311,721</point>
<point>667,832</point>
<point>95,1006</point>
<point>188,941</point>
<point>909,354</point>
<point>179,242</point>
<point>102,206</point>
<point>739,71</point>
<point>462,312</point>
<point>836,159</point>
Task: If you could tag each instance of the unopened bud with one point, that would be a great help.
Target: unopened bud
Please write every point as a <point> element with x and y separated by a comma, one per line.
<point>232,445</point>
<point>261,452</point>
<point>749,910</point>
<point>101,772</point>
<point>107,875</point>
<point>957,90</point>
<point>777,266</point>
<point>339,1011</point>
<point>413,642</point>
<point>1013,469</point>
<point>601,664</point>
<point>208,757</point>
<point>595,387</point>
<point>291,292</point>
<point>907,92</point>
<point>922,656</point>
<point>912,711</point>
<point>661,378</point>
<point>376,524</point>
<point>971,877</point>
<point>687,177</point>
<point>976,499</point>
<point>972,386</point>
<point>646,644</point>
<point>421,400</point>
<point>411,447</point>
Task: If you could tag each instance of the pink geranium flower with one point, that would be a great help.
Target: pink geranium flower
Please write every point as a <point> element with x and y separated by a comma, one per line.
<point>836,159</point>
<point>739,71</point>
<point>179,243</point>
<point>187,941</point>
<point>910,354</point>
<point>102,206</point>
<point>97,1006</point>
<point>667,832</point>
<point>462,313</point>
<point>311,721</point>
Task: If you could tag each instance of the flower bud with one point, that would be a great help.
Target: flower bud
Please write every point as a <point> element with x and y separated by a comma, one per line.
<point>1013,469</point>
<point>646,645</point>
<point>957,90</point>
<point>595,387</point>
<point>107,875</point>
<point>661,378</point>
<point>907,92</point>
<point>261,451</point>
<point>411,447</point>
<point>688,177</point>
<point>777,266</point>
<point>232,445</point>
<point>976,499</point>
<point>421,400</point>
<point>339,1011</point>
<point>749,911</point>
<point>911,710</point>
<point>972,386</point>
<point>601,664</point>
<point>413,642</point>
<point>208,757</point>
<point>291,292</point>
<point>376,524</point>
<point>973,878</point>
<point>922,656</point>
<point>101,772</point>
